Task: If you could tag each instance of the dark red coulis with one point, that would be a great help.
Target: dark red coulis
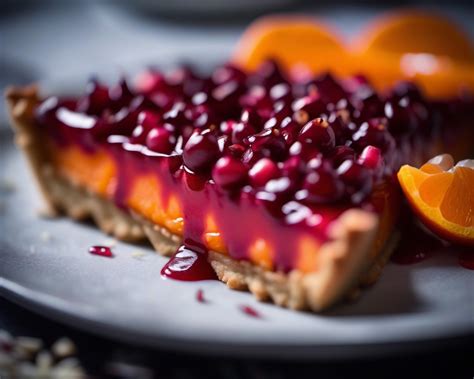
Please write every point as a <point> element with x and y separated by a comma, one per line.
<point>466,259</point>
<point>200,296</point>
<point>256,146</point>
<point>415,246</point>
<point>189,266</point>
<point>249,311</point>
<point>103,251</point>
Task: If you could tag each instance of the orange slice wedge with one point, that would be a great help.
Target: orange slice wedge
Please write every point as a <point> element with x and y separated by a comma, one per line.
<point>421,46</point>
<point>442,195</point>
<point>417,32</point>
<point>292,41</point>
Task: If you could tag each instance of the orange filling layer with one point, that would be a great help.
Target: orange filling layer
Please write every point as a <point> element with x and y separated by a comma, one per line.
<point>97,172</point>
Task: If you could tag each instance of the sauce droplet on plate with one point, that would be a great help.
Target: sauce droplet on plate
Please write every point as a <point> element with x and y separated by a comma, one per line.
<point>200,296</point>
<point>466,259</point>
<point>103,251</point>
<point>415,246</point>
<point>249,311</point>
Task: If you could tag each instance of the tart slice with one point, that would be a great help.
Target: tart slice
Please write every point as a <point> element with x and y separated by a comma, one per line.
<point>288,187</point>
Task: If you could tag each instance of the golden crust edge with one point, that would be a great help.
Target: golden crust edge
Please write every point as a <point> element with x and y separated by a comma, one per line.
<point>346,256</point>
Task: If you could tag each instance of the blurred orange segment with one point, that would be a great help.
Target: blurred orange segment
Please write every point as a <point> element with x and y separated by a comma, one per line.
<point>424,47</point>
<point>418,32</point>
<point>291,40</point>
<point>442,198</point>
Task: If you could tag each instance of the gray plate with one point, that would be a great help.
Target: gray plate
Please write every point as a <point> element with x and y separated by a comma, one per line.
<point>45,266</point>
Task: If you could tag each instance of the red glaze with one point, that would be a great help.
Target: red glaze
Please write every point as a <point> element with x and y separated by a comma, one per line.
<point>249,311</point>
<point>322,127</point>
<point>103,251</point>
<point>200,296</point>
<point>415,246</point>
<point>466,259</point>
<point>189,266</point>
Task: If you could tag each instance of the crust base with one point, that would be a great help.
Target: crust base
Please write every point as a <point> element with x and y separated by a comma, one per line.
<point>344,261</point>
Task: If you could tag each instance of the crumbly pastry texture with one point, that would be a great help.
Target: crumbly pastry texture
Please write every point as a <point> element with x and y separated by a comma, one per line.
<point>346,261</point>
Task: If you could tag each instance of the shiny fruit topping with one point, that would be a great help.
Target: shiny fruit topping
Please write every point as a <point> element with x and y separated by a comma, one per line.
<point>95,100</point>
<point>263,171</point>
<point>318,133</point>
<point>201,151</point>
<point>240,131</point>
<point>321,186</point>
<point>308,107</point>
<point>229,173</point>
<point>371,157</point>
<point>373,132</point>
<point>340,154</point>
<point>161,139</point>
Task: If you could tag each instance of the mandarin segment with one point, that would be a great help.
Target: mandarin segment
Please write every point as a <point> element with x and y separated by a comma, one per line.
<point>291,40</point>
<point>458,204</point>
<point>443,200</point>
<point>427,48</point>
<point>417,32</point>
<point>433,189</point>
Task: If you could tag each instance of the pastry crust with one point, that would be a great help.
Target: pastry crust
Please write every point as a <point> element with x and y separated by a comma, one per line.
<point>344,262</point>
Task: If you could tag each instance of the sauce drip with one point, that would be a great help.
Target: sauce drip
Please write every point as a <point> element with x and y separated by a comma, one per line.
<point>189,266</point>
<point>415,246</point>
<point>466,259</point>
<point>249,311</point>
<point>103,251</point>
<point>200,296</point>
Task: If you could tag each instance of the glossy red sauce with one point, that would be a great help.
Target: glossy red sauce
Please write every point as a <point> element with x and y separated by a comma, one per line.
<point>200,296</point>
<point>107,119</point>
<point>188,265</point>
<point>415,245</point>
<point>466,259</point>
<point>103,251</point>
<point>250,311</point>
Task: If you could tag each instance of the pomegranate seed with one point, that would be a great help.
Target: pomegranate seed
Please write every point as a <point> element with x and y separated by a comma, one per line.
<point>268,143</point>
<point>120,95</point>
<point>353,173</point>
<point>322,186</point>
<point>340,154</point>
<point>370,157</point>
<point>229,173</point>
<point>293,168</point>
<point>290,130</point>
<point>250,116</point>
<point>96,99</point>
<point>161,140</point>
<point>249,311</point>
<point>308,107</point>
<point>227,73</point>
<point>263,171</point>
<point>240,131</point>
<point>268,74</point>
<point>236,150</point>
<point>318,133</point>
<point>149,81</point>
<point>329,89</point>
<point>103,251</point>
<point>201,151</point>
<point>374,132</point>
